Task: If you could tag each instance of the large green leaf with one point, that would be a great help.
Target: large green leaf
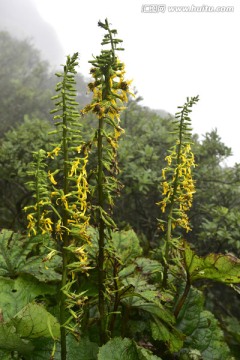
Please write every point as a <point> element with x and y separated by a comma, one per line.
<point>11,341</point>
<point>138,276</point>
<point>172,337</point>
<point>16,256</point>
<point>147,266</point>
<point>17,293</point>
<point>124,349</point>
<point>218,267</point>
<point>118,349</point>
<point>140,290</point>
<point>145,298</point>
<point>157,310</point>
<point>81,350</point>
<point>145,354</point>
<point>202,329</point>
<point>34,321</point>
<point>127,246</point>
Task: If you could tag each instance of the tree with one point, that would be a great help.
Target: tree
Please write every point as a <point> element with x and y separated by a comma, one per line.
<point>141,156</point>
<point>16,149</point>
<point>217,188</point>
<point>25,82</point>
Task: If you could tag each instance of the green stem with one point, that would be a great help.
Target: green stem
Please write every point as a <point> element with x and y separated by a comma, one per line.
<point>37,192</point>
<point>65,236</point>
<point>116,297</point>
<point>101,242</point>
<point>170,214</point>
<point>101,224</point>
<point>183,297</point>
<point>167,248</point>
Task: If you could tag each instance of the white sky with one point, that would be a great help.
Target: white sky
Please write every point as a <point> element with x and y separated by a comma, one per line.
<point>168,55</point>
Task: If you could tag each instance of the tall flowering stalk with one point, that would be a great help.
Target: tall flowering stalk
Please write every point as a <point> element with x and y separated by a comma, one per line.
<point>61,207</point>
<point>178,185</point>
<point>110,91</point>
<point>38,221</point>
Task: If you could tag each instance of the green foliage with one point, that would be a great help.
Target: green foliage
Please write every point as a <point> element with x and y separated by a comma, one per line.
<point>217,267</point>
<point>221,230</point>
<point>16,148</point>
<point>23,255</point>
<point>168,335</point>
<point>24,279</point>
<point>11,341</point>
<point>34,321</point>
<point>21,318</point>
<point>201,329</point>
<point>124,349</point>
<point>140,168</point>
<point>126,245</point>
<point>217,192</point>
<point>83,350</point>
<point>17,293</point>
<point>71,290</point>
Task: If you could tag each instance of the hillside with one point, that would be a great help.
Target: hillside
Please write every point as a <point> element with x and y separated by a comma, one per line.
<point>22,20</point>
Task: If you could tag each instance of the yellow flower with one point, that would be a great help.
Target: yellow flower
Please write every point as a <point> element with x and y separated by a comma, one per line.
<point>51,177</point>
<point>164,174</point>
<point>78,148</point>
<point>165,187</point>
<point>63,198</point>
<point>31,224</point>
<point>168,159</point>
<point>180,188</point>
<point>45,224</point>
<point>54,152</point>
<point>81,254</point>
<point>58,229</point>
<point>75,165</point>
<point>50,255</point>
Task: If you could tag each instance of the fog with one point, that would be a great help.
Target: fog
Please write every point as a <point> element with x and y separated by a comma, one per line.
<point>21,19</point>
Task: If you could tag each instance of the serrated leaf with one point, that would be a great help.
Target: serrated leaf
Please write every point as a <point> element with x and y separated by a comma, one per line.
<point>124,349</point>
<point>158,310</point>
<point>17,293</point>
<point>141,272</point>
<point>44,271</point>
<point>34,321</point>
<point>11,341</point>
<point>118,349</point>
<point>190,354</point>
<point>202,329</point>
<point>172,337</point>
<point>16,257</point>
<point>82,350</point>
<point>128,270</point>
<point>148,266</point>
<point>126,244</point>
<point>142,292</point>
<point>217,267</point>
<point>145,354</point>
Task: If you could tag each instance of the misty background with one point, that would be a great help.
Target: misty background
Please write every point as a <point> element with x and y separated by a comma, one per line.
<point>23,21</point>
